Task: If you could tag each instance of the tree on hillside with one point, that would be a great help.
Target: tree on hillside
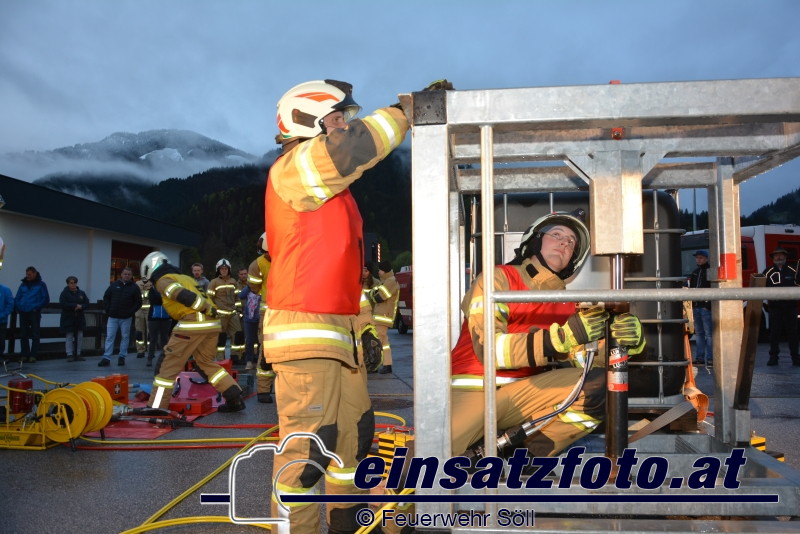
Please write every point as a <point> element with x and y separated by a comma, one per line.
<point>785,210</point>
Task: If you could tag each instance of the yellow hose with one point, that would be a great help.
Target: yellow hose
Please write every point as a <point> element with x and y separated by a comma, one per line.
<point>196,486</point>
<point>187,521</point>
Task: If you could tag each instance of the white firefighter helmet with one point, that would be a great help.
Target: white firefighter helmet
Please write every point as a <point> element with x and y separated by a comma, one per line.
<point>531,243</point>
<point>302,108</point>
<point>262,245</point>
<point>151,262</point>
<point>224,263</point>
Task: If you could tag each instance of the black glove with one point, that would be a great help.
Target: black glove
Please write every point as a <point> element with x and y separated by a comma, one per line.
<point>372,349</point>
<point>439,85</point>
<point>213,312</point>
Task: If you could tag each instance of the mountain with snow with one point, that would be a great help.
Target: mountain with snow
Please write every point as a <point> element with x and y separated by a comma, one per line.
<point>153,156</point>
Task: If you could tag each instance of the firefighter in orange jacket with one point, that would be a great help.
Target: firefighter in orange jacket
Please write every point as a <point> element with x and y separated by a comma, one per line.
<point>195,334</point>
<point>257,276</point>
<point>314,231</point>
<point>385,297</point>
<point>529,339</point>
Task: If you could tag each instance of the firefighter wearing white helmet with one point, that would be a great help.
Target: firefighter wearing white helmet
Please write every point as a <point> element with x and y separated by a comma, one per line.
<point>314,230</point>
<point>257,277</point>
<point>534,344</point>
<point>195,334</point>
<point>224,292</point>
<point>302,108</point>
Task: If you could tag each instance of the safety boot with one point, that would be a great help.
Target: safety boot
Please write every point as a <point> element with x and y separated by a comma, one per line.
<point>773,360</point>
<point>233,405</point>
<point>385,370</point>
<point>233,400</point>
<point>265,398</point>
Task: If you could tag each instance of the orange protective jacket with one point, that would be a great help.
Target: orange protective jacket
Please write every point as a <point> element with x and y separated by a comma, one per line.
<point>315,238</point>
<point>519,327</point>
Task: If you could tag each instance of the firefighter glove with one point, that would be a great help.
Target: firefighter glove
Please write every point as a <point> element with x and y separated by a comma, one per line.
<point>439,85</point>
<point>626,329</point>
<point>213,312</point>
<point>581,327</point>
<point>372,349</point>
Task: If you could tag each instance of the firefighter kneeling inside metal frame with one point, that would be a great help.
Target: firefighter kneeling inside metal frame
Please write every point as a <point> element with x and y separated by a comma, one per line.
<point>533,343</point>
<point>195,334</point>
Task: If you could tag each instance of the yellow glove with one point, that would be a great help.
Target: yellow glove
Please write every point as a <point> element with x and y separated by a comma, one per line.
<point>581,327</point>
<point>626,329</point>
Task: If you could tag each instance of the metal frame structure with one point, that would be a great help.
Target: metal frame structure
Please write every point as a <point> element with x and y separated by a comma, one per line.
<point>614,140</point>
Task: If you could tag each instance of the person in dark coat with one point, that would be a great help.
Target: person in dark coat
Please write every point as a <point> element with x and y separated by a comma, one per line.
<point>782,313</point>
<point>73,322</point>
<point>121,300</point>
<point>701,310</point>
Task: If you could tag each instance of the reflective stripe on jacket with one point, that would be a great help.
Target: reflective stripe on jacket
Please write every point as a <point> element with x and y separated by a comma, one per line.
<point>190,318</point>
<point>314,228</point>
<point>389,291</point>
<point>223,292</point>
<point>297,335</point>
<point>515,325</point>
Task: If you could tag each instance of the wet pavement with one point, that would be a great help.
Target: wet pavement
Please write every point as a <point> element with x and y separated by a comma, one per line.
<point>102,488</point>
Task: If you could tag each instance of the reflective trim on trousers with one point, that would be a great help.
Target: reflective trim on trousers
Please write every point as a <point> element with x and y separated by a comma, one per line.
<point>216,377</point>
<point>160,387</point>
<point>476,382</point>
<point>341,476</point>
<point>283,489</point>
<point>578,419</point>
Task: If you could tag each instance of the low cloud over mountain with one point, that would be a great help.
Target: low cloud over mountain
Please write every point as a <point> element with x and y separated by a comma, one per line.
<point>152,155</point>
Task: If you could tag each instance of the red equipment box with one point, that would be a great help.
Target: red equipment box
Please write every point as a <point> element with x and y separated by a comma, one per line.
<point>116,385</point>
<point>192,386</point>
<point>192,406</point>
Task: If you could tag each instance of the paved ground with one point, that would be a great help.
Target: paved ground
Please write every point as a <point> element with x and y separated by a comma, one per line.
<point>111,491</point>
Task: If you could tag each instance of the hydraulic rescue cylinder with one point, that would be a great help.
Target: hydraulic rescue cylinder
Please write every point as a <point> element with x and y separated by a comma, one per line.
<point>616,375</point>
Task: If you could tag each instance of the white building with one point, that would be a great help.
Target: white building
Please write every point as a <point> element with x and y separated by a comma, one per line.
<point>63,235</point>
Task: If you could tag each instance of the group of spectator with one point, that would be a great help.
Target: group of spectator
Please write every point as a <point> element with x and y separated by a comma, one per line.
<point>782,313</point>
<point>123,301</point>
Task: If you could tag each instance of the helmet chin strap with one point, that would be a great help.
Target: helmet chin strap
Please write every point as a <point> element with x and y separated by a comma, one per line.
<point>564,273</point>
<point>545,264</point>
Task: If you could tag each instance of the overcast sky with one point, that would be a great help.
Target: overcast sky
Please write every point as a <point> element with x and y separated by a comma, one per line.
<point>77,71</point>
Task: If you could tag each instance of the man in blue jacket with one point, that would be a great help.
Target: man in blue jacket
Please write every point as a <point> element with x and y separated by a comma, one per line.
<point>6,307</point>
<point>31,297</point>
